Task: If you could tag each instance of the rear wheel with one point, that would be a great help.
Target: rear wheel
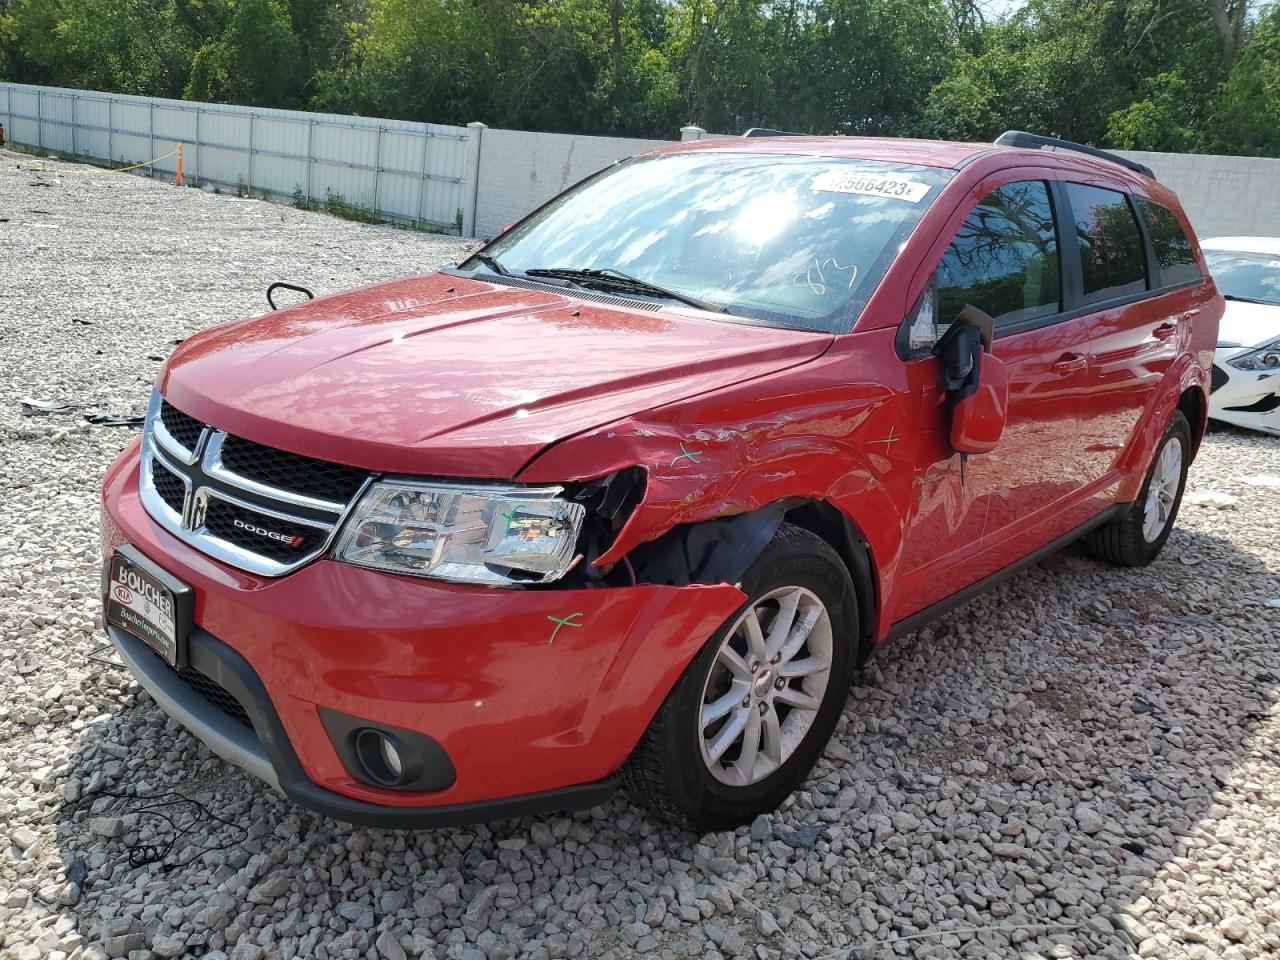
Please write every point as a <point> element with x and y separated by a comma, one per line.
<point>749,717</point>
<point>1136,537</point>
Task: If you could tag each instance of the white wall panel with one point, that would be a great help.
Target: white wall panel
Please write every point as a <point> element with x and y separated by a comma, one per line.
<point>411,172</point>
<point>435,174</point>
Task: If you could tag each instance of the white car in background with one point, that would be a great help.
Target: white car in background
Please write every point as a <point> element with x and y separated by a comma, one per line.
<point>1246,367</point>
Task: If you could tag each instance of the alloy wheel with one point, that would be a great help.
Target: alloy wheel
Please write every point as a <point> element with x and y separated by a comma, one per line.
<point>765,686</point>
<point>1162,491</point>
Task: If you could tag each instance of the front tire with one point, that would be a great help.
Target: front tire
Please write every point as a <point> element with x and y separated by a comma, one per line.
<point>1136,537</point>
<point>750,715</point>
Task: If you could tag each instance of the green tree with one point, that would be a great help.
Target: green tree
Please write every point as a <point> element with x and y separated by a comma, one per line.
<point>1247,118</point>
<point>1041,70</point>
<point>1158,122</point>
<point>1157,74</point>
<point>256,59</point>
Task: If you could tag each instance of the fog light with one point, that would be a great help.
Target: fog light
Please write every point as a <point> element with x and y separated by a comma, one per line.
<point>382,757</point>
<point>392,758</point>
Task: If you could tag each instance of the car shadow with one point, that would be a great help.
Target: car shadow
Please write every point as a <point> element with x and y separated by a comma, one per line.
<point>1033,765</point>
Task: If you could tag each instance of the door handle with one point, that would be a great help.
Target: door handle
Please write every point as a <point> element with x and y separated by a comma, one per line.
<point>1165,331</point>
<point>1067,363</point>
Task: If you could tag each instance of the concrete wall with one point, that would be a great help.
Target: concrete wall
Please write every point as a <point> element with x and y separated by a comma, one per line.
<point>519,171</point>
<point>1223,196</point>
<point>1236,196</point>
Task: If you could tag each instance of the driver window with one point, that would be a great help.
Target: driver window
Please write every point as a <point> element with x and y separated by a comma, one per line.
<point>1004,258</point>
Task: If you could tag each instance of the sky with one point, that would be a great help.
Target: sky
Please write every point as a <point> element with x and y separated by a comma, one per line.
<point>998,8</point>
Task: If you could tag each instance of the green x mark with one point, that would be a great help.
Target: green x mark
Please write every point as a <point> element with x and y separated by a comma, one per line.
<point>510,517</point>
<point>686,453</point>
<point>561,622</point>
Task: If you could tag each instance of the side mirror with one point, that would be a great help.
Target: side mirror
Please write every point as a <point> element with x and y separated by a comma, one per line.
<point>975,382</point>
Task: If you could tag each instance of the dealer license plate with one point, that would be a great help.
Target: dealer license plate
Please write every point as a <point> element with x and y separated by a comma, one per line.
<point>149,604</point>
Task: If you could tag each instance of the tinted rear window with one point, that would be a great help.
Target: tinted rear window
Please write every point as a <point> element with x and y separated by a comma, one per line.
<point>1111,254</point>
<point>1175,261</point>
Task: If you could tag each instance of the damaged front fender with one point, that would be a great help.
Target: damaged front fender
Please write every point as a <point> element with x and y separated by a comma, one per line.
<point>705,465</point>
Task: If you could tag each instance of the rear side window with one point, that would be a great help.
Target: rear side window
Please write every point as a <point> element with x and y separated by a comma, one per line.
<point>1004,258</point>
<point>1111,254</point>
<point>1175,261</point>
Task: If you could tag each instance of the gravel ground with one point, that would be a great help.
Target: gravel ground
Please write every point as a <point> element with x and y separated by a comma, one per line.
<point>1085,762</point>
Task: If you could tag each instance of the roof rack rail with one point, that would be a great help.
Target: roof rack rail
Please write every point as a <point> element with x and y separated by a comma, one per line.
<point>1020,138</point>
<point>766,132</point>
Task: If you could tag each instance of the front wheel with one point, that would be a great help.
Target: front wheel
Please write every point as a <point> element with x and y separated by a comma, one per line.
<point>1136,537</point>
<point>750,715</point>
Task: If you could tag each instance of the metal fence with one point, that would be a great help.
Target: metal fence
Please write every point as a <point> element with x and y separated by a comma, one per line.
<point>419,173</point>
<point>468,179</point>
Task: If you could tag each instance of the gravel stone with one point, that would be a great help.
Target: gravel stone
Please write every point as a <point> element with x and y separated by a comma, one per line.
<point>389,947</point>
<point>988,770</point>
<point>110,827</point>
<point>1233,928</point>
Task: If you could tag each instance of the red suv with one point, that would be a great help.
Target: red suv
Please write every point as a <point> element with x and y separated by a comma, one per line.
<point>627,496</point>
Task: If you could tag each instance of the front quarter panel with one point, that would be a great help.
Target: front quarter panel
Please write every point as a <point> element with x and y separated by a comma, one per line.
<point>840,430</point>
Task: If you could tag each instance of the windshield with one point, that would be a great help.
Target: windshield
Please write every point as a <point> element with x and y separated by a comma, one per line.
<point>1245,276</point>
<point>791,241</point>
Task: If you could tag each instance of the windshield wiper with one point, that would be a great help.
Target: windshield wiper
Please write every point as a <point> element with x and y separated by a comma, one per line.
<point>492,263</point>
<point>617,280</point>
<point>1232,296</point>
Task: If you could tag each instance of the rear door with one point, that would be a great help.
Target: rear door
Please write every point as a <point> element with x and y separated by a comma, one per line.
<point>1135,284</point>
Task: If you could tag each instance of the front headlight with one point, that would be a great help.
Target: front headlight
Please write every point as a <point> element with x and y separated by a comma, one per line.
<point>1264,358</point>
<point>467,533</point>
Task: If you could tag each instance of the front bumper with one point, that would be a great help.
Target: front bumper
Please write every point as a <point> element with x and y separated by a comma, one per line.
<point>265,751</point>
<point>530,723</point>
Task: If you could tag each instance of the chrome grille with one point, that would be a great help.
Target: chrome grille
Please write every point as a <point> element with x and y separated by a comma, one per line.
<point>254,507</point>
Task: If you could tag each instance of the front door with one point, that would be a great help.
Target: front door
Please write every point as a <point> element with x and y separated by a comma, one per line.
<point>1005,260</point>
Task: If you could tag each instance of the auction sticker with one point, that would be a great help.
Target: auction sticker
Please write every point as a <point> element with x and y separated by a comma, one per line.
<point>870,185</point>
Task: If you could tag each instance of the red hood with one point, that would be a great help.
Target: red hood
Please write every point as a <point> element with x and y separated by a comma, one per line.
<point>446,376</point>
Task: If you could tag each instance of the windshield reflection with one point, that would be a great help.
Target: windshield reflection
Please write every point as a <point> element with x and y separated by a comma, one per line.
<point>789,240</point>
<point>1246,276</point>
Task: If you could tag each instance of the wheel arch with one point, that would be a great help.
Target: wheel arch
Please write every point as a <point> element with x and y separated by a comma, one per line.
<point>845,537</point>
<point>1195,407</point>
<point>1181,389</point>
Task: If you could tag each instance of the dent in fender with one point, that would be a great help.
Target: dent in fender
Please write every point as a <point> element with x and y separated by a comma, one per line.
<point>810,446</point>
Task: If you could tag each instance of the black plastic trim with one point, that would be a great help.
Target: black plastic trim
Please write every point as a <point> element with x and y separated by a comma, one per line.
<point>1151,269</point>
<point>932,612</point>
<point>1034,141</point>
<point>1265,405</point>
<point>427,766</point>
<point>976,155</point>
<point>1217,378</point>
<point>221,663</point>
